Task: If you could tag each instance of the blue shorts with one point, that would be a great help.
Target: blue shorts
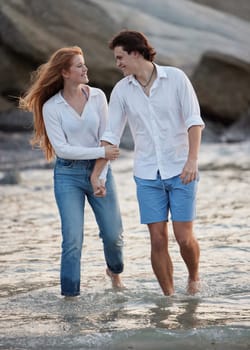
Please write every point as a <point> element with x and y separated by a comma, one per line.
<point>158,197</point>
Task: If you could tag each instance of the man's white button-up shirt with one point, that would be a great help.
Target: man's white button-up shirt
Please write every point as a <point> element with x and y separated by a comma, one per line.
<point>159,122</point>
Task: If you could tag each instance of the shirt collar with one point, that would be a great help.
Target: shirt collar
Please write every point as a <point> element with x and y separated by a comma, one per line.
<point>59,98</point>
<point>161,73</point>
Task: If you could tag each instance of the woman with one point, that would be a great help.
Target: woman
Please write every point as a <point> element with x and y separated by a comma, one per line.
<point>69,118</point>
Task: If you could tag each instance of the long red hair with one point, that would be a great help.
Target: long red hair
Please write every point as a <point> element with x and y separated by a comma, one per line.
<point>46,81</point>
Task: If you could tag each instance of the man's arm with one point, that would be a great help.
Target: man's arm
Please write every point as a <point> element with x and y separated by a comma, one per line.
<point>190,170</point>
<point>112,135</point>
<point>97,184</point>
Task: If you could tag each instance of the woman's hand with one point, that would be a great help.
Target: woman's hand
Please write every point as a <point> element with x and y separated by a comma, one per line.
<point>112,152</point>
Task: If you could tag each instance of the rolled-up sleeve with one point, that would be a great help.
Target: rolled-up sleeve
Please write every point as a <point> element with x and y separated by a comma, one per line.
<point>189,103</point>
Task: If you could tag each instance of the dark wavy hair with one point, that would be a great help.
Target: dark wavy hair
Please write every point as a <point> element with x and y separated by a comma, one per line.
<point>131,41</point>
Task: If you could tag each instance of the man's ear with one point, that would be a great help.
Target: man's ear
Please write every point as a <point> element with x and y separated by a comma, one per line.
<point>135,54</point>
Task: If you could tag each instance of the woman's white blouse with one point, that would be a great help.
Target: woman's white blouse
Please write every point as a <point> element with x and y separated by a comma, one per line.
<point>75,136</point>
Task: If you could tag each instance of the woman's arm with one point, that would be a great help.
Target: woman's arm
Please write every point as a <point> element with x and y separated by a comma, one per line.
<point>65,150</point>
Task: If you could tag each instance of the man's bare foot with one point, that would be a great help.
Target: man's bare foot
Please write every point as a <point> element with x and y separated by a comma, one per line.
<point>170,292</point>
<point>115,279</point>
<point>193,287</point>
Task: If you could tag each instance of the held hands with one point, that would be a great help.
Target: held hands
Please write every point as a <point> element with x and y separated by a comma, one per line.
<point>190,171</point>
<point>112,152</point>
<point>98,186</point>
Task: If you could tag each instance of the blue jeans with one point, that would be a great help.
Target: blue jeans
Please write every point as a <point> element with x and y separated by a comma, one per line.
<point>72,186</point>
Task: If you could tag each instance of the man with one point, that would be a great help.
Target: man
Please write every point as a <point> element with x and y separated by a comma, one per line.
<point>163,113</point>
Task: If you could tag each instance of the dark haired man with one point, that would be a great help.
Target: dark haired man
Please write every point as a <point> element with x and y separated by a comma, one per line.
<point>163,113</point>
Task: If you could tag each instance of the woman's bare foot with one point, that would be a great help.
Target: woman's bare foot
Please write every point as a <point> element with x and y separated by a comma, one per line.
<point>115,279</point>
<point>71,298</point>
<point>193,287</point>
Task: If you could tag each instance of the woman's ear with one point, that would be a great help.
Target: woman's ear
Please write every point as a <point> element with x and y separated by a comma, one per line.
<point>65,73</point>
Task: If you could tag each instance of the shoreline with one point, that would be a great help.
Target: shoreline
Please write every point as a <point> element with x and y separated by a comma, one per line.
<point>16,154</point>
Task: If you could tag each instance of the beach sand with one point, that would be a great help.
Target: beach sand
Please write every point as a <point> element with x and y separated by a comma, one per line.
<point>34,316</point>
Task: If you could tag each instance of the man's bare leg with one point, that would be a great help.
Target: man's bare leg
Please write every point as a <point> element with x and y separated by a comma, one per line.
<point>115,279</point>
<point>190,252</point>
<point>160,258</point>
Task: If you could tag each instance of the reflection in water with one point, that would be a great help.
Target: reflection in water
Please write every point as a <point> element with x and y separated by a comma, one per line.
<point>107,318</point>
<point>188,318</point>
<point>171,314</point>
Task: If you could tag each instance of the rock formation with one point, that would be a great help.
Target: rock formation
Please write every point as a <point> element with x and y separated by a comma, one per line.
<point>222,83</point>
<point>181,31</point>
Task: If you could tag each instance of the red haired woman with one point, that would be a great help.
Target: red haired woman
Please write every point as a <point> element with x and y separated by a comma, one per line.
<point>69,119</point>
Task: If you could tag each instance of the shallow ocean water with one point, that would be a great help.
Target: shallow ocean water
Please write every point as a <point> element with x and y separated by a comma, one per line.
<point>33,315</point>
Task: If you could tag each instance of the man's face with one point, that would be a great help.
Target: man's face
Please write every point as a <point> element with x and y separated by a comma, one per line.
<point>125,61</point>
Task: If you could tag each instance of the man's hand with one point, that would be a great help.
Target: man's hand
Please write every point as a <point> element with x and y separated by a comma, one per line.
<point>112,152</point>
<point>98,185</point>
<point>189,172</point>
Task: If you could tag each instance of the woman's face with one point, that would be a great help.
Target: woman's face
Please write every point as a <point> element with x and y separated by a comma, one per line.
<point>77,72</point>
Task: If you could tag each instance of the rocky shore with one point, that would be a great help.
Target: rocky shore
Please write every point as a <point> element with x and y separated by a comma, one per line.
<point>17,155</point>
<point>208,39</point>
